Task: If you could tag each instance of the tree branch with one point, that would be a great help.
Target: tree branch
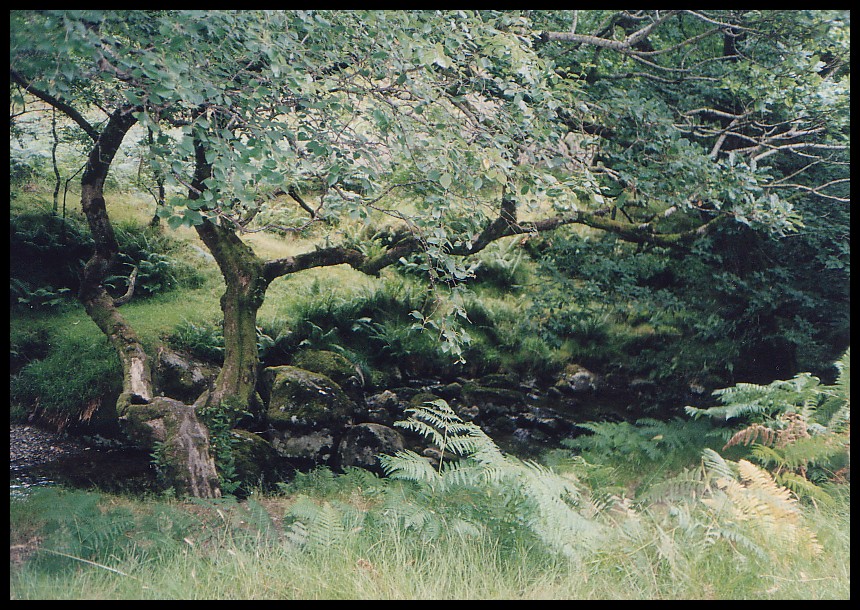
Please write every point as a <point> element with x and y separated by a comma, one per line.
<point>57,103</point>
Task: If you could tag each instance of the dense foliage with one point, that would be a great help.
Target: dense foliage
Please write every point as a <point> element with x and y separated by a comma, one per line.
<point>663,193</point>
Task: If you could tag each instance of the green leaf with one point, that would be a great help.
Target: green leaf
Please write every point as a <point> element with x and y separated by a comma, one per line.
<point>445,180</point>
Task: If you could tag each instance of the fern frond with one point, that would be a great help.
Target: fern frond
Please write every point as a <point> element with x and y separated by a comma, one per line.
<point>755,498</point>
<point>315,525</point>
<point>804,488</point>
<point>802,392</point>
<point>751,434</point>
<point>409,466</point>
<point>548,503</point>
<point>717,466</point>
<point>686,485</point>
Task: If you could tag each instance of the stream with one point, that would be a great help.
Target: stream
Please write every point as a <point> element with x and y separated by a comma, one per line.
<point>39,457</point>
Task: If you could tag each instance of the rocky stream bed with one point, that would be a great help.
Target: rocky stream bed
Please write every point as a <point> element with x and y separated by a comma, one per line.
<point>311,419</point>
<point>40,457</point>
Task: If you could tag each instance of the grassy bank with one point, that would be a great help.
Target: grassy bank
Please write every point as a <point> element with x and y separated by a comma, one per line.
<point>113,547</point>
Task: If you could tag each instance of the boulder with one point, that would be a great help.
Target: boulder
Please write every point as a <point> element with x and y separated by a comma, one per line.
<point>301,400</point>
<point>483,396</point>
<point>383,408</point>
<point>303,449</point>
<point>363,443</point>
<point>334,366</point>
<point>576,379</point>
<point>419,399</point>
<point>182,377</point>
<point>255,459</point>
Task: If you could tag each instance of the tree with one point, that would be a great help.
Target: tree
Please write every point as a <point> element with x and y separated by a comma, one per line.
<point>738,113</point>
<point>460,112</point>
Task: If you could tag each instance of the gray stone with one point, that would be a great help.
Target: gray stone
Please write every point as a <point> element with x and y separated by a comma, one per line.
<point>363,443</point>
<point>314,447</point>
<point>303,400</point>
<point>182,377</point>
<point>576,379</point>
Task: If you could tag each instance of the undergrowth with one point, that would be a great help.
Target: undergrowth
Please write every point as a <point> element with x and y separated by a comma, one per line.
<point>479,524</point>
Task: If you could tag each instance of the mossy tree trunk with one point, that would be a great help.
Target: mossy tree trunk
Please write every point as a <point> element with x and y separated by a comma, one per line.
<point>153,419</point>
<point>245,290</point>
<point>243,296</point>
<point>99,305</point>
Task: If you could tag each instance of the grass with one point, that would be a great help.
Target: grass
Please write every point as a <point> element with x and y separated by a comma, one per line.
<point>185,550</point>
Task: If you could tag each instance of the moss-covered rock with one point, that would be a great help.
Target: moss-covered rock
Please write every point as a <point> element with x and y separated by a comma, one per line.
<point>576,379</point>
<point>255,459</point>
<point>303,399</point>
<point>421,398</point>
<point>330,364</point>
<point>480,395</point>
<point>334,366</point>
<point>182,377</point>
<point>508,381</point>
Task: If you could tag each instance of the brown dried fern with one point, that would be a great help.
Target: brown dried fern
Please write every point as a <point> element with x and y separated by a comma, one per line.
<point>757,499</point>
<point>769,436</point>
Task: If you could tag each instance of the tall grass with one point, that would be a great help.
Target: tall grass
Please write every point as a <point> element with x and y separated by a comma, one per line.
<point>175,550</point>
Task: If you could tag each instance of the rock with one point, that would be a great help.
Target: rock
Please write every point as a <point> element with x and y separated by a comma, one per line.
<point>468,413</point>
<point>482,395</point>
<point>303,450</point>
<point>544,420</point>
<point>421,398</point>
<point>182,377</point>
<point>255,459</point>
<point>334,366</point>
<point>451,391</point>
<point>302,400</point>
<point>383,408</point>
<point>576,379</point>
<point>384,400</point>
<point>363,443</point>
<point>642,387</point>
<point>509,381</point>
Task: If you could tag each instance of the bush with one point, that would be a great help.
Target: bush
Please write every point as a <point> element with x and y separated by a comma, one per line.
<point>204,340</point>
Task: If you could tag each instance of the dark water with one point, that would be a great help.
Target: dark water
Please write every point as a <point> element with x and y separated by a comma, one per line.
<point>110,470</point>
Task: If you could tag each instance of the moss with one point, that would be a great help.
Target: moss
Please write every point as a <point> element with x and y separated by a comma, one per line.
<point>421,398</point>
<point>255,459</point>
<point>478,394</point>
<point>298,397</point>
<point>330,364</point>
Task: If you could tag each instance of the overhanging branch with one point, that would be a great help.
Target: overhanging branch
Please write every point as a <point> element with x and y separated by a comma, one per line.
<point>57,103</point>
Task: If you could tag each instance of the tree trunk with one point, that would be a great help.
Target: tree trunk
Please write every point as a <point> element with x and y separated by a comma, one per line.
<point>151,420</point>
<point>245,290</point>
<point>137,378</point>
<point>246,285</point>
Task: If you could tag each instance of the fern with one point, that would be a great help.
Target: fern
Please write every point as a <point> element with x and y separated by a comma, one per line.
<point>79,525</point>
<point>798,426</point>
<point>688,484</point>
<point>745,494</point>
<point>645,441</point>
<point>550,505</point>
<point>315,525</point>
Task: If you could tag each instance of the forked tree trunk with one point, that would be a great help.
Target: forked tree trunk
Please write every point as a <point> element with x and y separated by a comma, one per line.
<point>245,290</point>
